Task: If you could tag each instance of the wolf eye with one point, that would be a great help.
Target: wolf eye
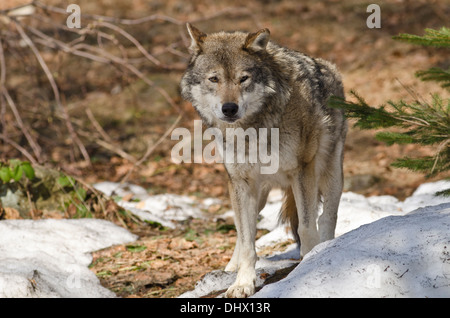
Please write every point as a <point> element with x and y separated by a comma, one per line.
<point>243,78</point>
<point>213,79</point>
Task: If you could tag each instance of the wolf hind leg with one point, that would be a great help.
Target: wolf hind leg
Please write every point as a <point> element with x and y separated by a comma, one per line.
<point>306,193</point>
<point>288,213</point>
<point>331,184</point>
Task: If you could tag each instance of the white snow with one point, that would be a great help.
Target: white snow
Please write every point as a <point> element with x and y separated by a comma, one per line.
<point>382,249</point>
<point>396,256</point>
<point>50,258</point>
<point>161,208</point>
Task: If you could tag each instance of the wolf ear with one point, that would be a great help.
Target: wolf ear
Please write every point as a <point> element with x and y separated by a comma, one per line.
<point>257,41</point>
<point>197,38</point>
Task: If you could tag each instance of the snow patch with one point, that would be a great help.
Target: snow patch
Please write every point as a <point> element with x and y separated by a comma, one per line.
<point>396,256</point>
<point>381,249</point>
<point>50,258</point>
<point>162,208</point>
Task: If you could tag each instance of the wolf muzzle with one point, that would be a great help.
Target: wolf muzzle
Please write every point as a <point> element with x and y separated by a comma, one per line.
<point>230,110</point>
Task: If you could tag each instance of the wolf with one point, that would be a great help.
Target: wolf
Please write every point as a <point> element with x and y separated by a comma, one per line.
<point>245,80</point>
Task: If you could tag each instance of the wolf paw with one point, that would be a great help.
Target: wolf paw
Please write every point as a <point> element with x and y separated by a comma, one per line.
<point>240,291</point>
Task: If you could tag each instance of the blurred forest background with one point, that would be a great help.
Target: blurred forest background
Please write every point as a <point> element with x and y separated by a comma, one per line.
<point>99,102</point>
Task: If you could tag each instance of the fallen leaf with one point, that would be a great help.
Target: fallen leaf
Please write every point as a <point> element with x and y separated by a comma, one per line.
<point>11,214</point>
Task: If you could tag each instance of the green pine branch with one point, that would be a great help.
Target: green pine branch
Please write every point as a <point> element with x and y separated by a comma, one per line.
<point>432,165</point>
<point>437,75</point>
<point>437,38</point>
<point>367,117</point>
<point>419,122</point>
<point>444,193</point>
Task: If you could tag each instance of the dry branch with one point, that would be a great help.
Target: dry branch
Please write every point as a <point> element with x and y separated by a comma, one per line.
<point>36,27</point>
<point>55,89</point>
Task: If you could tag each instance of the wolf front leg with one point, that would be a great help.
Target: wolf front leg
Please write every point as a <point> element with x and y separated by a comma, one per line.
<point>233,264</point>
<point>244,198</point>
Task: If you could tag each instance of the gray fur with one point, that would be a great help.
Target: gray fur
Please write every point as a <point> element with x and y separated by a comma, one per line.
<point>287,90</point>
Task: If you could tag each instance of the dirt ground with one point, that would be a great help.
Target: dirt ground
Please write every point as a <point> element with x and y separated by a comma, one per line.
<point>166,263</point>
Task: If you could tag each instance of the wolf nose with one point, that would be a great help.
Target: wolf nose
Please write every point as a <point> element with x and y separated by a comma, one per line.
<point>229,109</point>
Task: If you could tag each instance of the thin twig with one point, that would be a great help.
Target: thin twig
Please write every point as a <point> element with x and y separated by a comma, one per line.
<point>411,120</point>
<point>2,66</point>
<point>151,149</point>
<point>101,55</point>
<point>55,89</point>
<point>136,43</point>
<point>153,17</point>
<point>19,147</point>
<point>117,60</point>
<point>34,145</point>
<point>444,144</point>
<point>2,84</point>
<point>98,26</point>
<point>107,143</point>
<point>56,44</point>
<point>97,125</point>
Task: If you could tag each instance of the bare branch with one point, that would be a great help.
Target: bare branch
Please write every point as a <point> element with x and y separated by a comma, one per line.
<point>56,44</point>
<point>127,35</point>
<point>34,145</point>
<point>151,149</point>
<point>55,89</point>
<point>111,44</point>
<point>18,147</point>
<point>107,143</point>
<point>153,17</point>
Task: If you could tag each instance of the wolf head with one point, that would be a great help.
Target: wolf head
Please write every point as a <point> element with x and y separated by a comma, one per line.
<point>231,76</point>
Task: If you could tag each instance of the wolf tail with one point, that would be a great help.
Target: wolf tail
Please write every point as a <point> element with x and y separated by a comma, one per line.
<point>289,213</point>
